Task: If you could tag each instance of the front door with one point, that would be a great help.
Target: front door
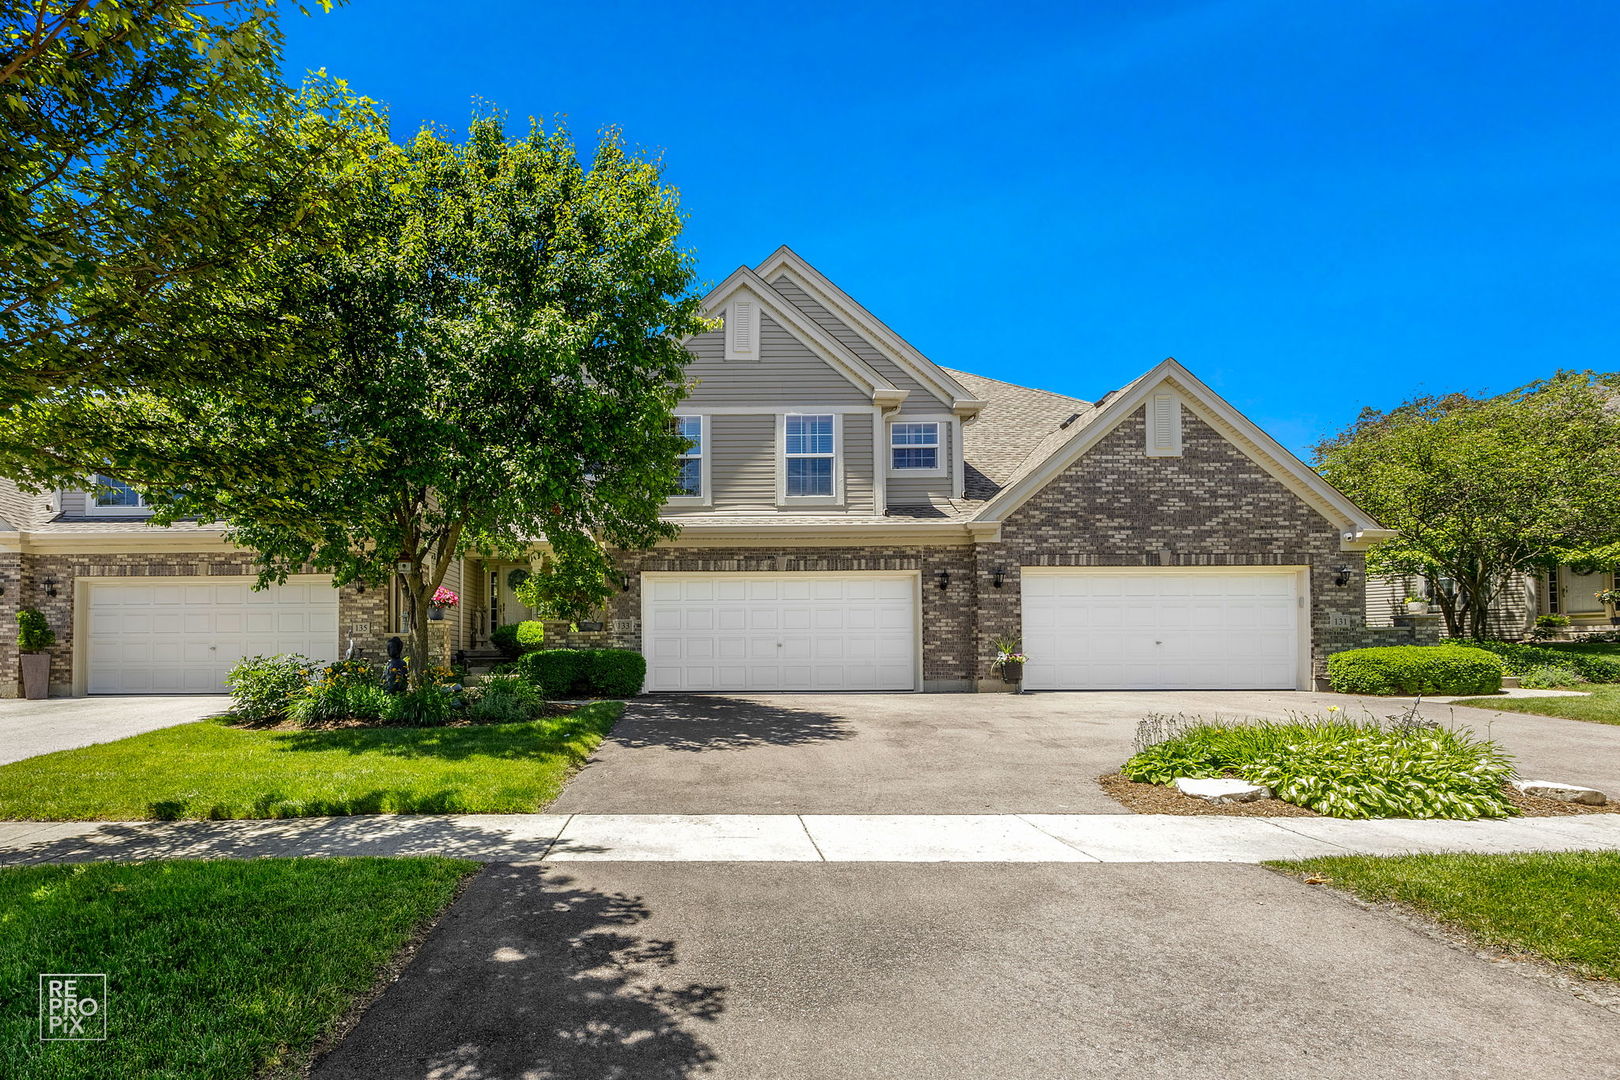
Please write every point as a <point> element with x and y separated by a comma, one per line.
<point>1580,592</point>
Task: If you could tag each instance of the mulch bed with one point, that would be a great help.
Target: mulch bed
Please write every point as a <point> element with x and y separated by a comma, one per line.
<point>550,709</point>
<point>1159,799</point>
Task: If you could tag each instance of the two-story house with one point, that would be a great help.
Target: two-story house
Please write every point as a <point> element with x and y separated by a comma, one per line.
<point>853,517</point>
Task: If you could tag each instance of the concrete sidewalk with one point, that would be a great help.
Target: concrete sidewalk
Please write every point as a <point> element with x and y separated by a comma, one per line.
<point>915,838</point>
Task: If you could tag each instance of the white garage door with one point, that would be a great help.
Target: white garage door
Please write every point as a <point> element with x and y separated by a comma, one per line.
<point>1152,630</point>
<point>182,636</point>
<point>779,631</point>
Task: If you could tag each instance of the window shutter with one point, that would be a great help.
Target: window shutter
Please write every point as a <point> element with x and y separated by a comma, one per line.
<point>1163,426</point>
<point>742,331</point>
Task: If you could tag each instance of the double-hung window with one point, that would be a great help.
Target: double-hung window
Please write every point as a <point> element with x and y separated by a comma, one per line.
<point>689,477</point>
<point>810,449</point>
<point>914,446</point>
<point>115,496</point>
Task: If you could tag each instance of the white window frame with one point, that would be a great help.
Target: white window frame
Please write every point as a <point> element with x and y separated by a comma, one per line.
<point>706,495</point>
<point>837,456</point>
<point>942,465</point>
<point>94,509</point>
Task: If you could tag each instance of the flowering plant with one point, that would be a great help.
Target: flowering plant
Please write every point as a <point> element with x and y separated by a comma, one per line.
<point>1008,653</point>
<point>1608,596</point>
<point>443,597</point>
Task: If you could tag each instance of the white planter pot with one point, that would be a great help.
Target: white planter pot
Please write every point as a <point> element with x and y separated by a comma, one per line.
<point>1417,607</point>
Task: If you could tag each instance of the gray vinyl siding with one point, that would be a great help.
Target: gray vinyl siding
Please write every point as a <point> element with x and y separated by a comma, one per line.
<point>906,490</point>
<point>920,398</point>
<point>1512,611</point>
<point>859,491</point>
<point>787,375</point>
<point>1385,599</point>
<point>742,468</point>
<point>74,503</point>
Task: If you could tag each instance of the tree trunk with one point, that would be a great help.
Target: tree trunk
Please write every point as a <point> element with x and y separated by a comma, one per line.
<point>419,638</point>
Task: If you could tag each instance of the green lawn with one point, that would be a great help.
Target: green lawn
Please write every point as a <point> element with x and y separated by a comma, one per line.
<point>212,769</point>
<point>1610,649</point>
<point>1600,704</point>
<point>214,969</point>
<point>1560,906</point>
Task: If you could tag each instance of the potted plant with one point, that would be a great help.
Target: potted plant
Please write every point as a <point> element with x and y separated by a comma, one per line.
<point>1009,661</point>
<point>1417,605</point>
<point>442,598</point>
<point>34,636</point>
<point>1612,598</point>
<point>1548,626</point>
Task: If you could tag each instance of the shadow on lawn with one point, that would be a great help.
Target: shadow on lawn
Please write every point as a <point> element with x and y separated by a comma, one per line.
<point>715,722</point>
<point>533,974</point>
<point>553,736</point>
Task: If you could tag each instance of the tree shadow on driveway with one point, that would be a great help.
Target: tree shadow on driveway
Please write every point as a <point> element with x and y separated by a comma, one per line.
<point>532,974</point>
<point>713,722</point>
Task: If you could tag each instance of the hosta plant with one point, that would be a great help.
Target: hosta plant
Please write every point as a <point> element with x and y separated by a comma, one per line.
<point>1339,767</point>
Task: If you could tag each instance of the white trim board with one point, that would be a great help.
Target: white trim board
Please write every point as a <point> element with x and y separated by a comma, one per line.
<point>785,261</point>
<point>1357,528</point>
<point>826,347</point>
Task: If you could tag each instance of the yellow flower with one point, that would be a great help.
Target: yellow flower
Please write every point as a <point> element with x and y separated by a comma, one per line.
<point>1333,708</point>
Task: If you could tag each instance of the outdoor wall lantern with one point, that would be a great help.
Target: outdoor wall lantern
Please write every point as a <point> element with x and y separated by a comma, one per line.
<point>624,582</point>
<point>50,586</point>
<point>944,577</point>
<point>1341,576</point>
<point>997,576</point>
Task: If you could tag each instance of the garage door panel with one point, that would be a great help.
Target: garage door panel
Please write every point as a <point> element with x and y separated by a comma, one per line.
<point>183,637</point>
<point>1160,630</point>
<point>791,632</point>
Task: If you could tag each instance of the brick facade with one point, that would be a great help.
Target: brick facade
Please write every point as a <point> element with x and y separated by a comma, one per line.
<point>1115,506</point>
<point>24,577</point>
<point>1212,506</point>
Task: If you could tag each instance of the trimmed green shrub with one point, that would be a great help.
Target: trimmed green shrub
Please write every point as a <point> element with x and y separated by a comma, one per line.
<point>263,688</point>
<point>1340,768</point>
<point>1519,659</point>
<point>504,699</point>
<point>615,672</point>
<point>560,673</point>
<point>33,632</point>
<point>517,638</point>
<point>1549,676</point>
<point>1415,669</point>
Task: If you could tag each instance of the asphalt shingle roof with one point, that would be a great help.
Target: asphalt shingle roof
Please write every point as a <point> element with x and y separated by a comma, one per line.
<point>1018,427</point>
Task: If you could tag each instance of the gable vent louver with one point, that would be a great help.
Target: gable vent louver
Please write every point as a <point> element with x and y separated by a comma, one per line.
<point>742,330</point>
<point>1163,426</point>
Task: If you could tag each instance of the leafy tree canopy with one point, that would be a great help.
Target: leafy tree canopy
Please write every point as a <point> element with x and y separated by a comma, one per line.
<point>1477,487</point>
<point>491,352</point>
<point>155,169</point>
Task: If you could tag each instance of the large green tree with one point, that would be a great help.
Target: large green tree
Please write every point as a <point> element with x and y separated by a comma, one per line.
<point>155,166</point>
<point>1479,487</point>
<point>490,359</point>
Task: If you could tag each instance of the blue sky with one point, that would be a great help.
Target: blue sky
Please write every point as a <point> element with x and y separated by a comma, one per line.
<point>1314,207</point>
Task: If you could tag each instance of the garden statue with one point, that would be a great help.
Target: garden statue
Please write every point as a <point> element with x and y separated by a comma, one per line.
<point>352,652</point>
<point>394,675</point>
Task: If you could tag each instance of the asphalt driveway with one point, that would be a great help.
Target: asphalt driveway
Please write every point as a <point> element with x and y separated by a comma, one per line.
<point>1010,972</point>
<point>30,728</point>
<point>962,753</point>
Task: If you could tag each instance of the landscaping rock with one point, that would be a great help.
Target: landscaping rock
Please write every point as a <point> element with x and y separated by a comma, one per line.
<point>1551,789</point>
<point>1221,790</point>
